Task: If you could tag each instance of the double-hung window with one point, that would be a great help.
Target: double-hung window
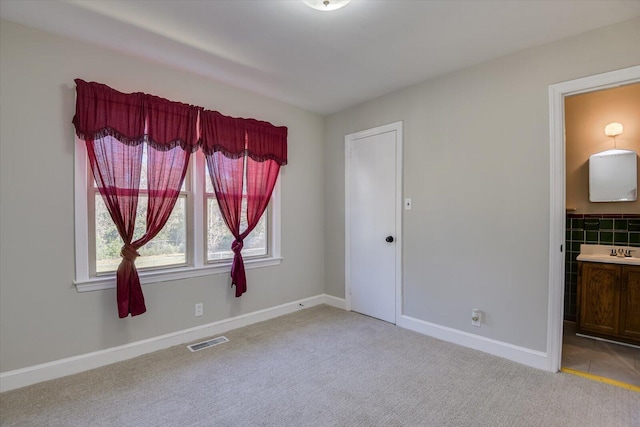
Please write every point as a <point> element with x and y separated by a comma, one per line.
<point>194,242</point>
<point>167,249</point>
<point>218,237</point>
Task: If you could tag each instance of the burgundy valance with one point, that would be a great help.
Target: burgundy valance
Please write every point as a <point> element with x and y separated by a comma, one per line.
<point>102,111</point>
<point>222,133</point>
<point>170,124</point>
<point>138,117</point>
<point>236,137</point>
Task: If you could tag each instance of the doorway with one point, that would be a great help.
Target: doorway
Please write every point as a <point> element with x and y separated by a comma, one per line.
<point>373,222</point>
<point>557,94</point>
<point>589,223</point>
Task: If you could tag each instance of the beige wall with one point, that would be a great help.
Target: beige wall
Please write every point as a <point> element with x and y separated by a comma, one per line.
<point>477,166</point>
<point>586,115</point>
<point>42,317</point>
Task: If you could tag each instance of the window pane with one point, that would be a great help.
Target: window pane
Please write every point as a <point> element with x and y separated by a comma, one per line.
<point>167,248</point>
<point>207,180</point>
<point>143,170</point>
<point>108,242</point>
<point>209,186</point>
<point>143,173</point>
<point>219,239</point>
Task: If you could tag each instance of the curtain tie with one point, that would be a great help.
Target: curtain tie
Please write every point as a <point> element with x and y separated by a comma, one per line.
<point>237,246</point>
<point>129,253</point>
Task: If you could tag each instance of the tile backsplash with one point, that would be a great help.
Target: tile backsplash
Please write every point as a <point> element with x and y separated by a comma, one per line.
<point>604,229</point>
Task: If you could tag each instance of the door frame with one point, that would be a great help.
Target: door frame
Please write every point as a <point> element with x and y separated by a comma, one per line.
<point>348,139</point>
<point>557,225</point>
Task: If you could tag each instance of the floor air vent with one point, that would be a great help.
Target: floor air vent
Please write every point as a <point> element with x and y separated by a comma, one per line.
<point>207,344</point>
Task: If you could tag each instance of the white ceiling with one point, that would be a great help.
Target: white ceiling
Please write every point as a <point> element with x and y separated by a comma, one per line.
<point>320,61</point>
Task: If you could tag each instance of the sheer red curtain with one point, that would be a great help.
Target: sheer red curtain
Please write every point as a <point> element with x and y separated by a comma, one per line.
<point>116,170</point>
<point>237,150</point>
<point>114,127</point>
<point>171,137</point>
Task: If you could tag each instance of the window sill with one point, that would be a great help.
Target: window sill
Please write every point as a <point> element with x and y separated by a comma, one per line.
<point>157,276</point>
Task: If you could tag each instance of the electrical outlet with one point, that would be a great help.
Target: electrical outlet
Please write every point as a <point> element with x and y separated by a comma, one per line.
<point>476,317</point>
<point>199,309</point>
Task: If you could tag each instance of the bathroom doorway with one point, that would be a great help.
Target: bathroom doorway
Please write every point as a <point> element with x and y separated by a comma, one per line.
<point>566,350</point>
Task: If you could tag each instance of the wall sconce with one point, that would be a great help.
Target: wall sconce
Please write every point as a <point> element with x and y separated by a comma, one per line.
<point>612,130</point>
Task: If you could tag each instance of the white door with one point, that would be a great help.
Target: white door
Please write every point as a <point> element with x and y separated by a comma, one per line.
<point>373,226</point>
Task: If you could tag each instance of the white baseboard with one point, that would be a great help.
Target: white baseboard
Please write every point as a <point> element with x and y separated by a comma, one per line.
<point>11,380</point>
<point>526,356</point>
<point>335,302</point>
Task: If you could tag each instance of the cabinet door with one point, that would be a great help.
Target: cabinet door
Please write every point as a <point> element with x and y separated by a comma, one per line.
<point>600,298</point>
<point>630,302</point>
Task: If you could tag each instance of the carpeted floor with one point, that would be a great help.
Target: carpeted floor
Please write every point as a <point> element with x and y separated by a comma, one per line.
<point>321,367</point>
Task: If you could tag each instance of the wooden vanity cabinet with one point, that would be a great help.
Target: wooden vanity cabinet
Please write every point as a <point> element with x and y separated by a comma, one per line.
<point>608,303</point>
<point>630,303</point>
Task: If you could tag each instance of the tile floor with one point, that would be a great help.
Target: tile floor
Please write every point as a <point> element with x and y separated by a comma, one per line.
<point>609,360</point>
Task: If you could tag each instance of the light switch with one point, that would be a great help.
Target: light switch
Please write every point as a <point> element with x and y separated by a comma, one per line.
<point>407,204</point>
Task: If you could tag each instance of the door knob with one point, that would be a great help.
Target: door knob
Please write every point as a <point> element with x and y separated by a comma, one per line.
<point>389,239</point>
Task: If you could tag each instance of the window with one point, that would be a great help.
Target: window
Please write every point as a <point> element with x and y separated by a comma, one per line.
<point>114,127</point>
<point>194,242</point>
<point>167,249</point>
<point>219,239</point>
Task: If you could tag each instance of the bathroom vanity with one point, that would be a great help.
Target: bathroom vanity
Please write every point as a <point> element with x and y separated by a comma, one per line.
<point>608,300</point>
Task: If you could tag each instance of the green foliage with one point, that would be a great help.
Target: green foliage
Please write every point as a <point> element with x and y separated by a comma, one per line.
<point>170,240</point>
<point>169,245</point>
<point>108,241</point>
<point>219,239</point>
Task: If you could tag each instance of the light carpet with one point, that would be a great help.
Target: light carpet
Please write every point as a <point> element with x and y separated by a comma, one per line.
<point>321,367</point>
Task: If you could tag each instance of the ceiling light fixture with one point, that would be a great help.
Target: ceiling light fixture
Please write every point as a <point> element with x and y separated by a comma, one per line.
<point>326,5</point>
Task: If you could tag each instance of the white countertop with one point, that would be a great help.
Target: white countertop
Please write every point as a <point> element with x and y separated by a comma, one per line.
<point>600,253</point>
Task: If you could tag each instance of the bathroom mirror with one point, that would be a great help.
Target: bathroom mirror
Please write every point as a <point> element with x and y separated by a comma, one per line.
<point>613,176</point>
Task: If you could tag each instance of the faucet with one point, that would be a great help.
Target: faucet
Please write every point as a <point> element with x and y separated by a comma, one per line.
<point>621,252</point>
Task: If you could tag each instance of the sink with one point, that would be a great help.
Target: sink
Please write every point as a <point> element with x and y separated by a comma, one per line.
<point>600,253</point>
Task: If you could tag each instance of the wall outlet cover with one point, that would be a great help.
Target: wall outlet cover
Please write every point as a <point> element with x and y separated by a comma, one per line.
<point>476,317</point>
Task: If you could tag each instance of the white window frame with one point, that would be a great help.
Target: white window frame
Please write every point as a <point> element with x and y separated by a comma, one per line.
<point>197,264</point>
<point>202,169</point>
